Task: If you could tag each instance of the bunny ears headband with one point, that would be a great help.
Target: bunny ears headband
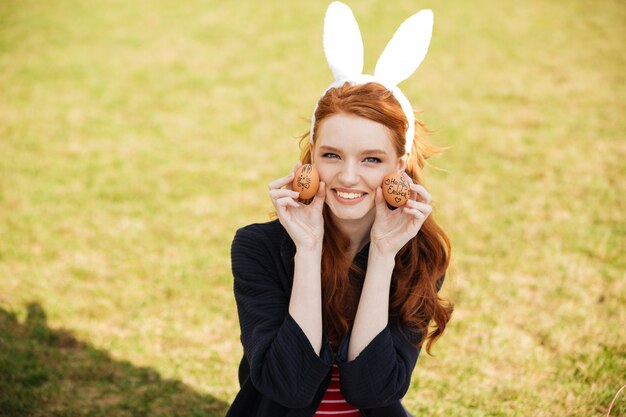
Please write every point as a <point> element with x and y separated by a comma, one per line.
<point>402,55</point>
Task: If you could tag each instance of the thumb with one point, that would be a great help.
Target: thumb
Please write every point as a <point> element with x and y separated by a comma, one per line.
<point>381,205</point>
<point>320,196</point>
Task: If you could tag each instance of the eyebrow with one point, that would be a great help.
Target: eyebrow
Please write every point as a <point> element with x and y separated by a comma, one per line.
<point>365,152</point>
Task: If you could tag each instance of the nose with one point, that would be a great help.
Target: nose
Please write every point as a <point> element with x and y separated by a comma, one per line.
<point>349,175</point>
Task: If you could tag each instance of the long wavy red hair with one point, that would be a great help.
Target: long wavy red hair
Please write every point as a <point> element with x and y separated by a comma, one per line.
<point>419,264</point>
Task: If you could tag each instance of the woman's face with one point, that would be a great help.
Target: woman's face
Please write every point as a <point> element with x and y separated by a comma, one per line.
<point>353,154</point>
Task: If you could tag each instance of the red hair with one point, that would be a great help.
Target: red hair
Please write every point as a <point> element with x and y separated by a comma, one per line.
<point>419,264</point>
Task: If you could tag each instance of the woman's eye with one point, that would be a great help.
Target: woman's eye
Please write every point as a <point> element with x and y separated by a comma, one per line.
<point>372,159</point>
<point>331,155</point>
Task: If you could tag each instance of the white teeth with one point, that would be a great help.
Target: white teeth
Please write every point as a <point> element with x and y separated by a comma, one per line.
<point>349,196</point>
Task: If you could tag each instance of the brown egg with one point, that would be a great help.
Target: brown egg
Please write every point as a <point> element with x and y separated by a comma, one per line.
<point>396,189</point>
<point>306,181</point>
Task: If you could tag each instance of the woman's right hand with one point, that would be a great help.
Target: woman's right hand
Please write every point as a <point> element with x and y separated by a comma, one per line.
<point>304,223</point>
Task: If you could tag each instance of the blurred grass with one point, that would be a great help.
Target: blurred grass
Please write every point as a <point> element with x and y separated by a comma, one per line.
<point>49,372</point>
<point>136,137</point>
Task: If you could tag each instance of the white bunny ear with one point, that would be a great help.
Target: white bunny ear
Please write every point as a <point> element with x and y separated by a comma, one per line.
<point>342,42</point>
<point>406,49</point>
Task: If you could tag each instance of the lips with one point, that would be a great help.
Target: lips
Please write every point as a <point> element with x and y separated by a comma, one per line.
<point>349,197</point>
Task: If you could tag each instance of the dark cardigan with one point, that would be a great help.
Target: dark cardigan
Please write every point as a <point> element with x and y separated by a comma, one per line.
<point>280,374</point>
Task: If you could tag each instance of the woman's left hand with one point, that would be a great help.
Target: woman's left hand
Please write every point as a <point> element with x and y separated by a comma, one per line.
<point>392,229</point>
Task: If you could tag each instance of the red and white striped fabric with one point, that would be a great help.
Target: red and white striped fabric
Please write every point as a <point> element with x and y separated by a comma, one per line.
<point>334,403</point>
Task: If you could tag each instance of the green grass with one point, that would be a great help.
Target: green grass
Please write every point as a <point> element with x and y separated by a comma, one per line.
<point>136,137</point>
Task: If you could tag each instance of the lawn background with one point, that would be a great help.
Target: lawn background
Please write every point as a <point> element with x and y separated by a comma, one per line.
<point>136,137</point>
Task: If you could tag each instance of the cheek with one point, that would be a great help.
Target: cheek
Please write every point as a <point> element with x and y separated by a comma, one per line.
<point>375,179</point>
<point>326,172</point>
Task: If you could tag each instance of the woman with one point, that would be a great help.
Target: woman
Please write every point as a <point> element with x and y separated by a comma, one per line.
<point>344,280</point>
<point>335,297</point>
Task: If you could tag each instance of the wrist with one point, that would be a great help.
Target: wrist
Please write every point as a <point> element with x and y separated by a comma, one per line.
<point>382,249</point>
<point>381,256</point>
<point>309,249</point>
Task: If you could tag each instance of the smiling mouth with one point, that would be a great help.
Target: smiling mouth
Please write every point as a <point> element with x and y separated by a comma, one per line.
<point>349,196</point>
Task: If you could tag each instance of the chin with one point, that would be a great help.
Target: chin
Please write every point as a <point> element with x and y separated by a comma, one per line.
<point>357,212</point>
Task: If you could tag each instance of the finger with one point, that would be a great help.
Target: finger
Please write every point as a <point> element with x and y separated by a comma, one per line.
<point>418,189</point>
<point>418,215</point>
<point>423,207</point>
<point>287,202</point>
<point>320,196</point>
<point>283,181</point>
<point>409,180</point>
<point>381,205</point>
<point>289,184</point>
<point>283,192</point>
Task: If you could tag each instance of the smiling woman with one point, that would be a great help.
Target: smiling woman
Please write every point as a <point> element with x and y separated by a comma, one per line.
<point>364,126</point>
<point>336,297</point>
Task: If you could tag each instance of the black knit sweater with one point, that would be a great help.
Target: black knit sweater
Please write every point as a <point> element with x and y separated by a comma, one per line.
<point>280,374</point>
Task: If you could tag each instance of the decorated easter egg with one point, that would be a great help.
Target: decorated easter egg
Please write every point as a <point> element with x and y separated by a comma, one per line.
<point>306,181</point>
<point>396,189</point>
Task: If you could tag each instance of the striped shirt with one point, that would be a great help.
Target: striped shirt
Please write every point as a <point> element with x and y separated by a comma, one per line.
<point>334,403</point>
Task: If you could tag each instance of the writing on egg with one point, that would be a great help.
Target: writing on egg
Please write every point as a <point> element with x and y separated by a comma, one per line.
<point>304,180</point>
<point>397,186</point>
